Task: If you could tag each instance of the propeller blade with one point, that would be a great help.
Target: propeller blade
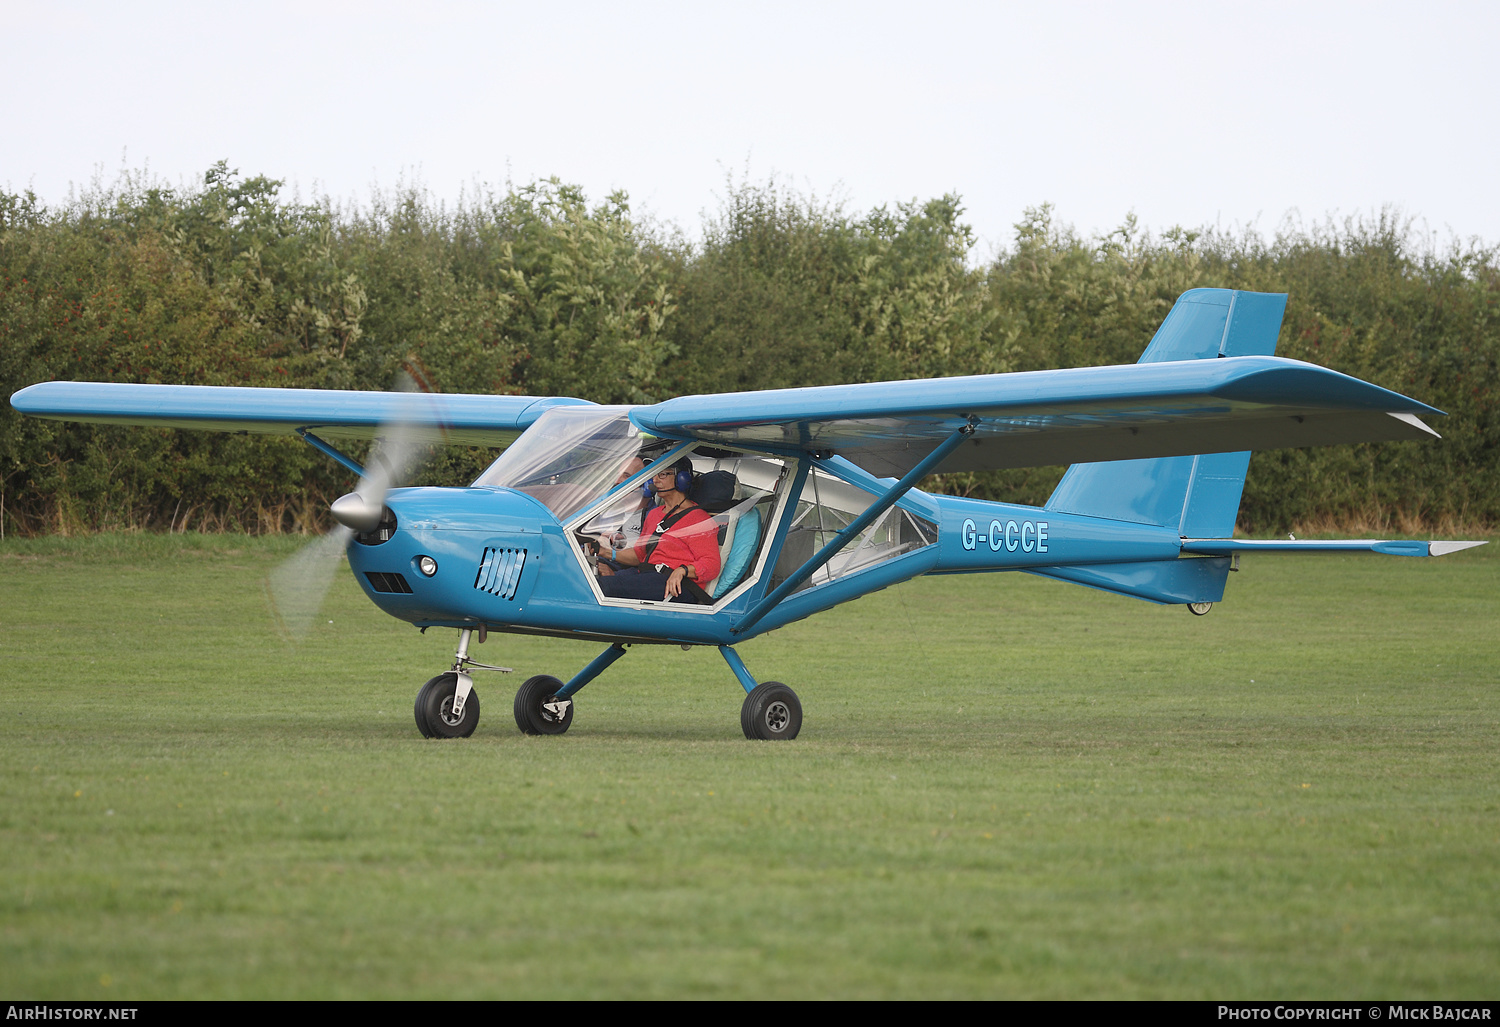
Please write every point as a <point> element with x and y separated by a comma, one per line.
<point>298,586</point>
<point>390,461</point>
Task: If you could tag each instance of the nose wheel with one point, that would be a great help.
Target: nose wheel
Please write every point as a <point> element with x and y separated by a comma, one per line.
<point>434,709</point>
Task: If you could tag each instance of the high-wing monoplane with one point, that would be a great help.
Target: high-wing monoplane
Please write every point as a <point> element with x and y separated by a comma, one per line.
<point>811,493</point>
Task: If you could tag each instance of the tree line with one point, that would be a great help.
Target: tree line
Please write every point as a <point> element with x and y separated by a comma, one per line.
<point>533,289</point>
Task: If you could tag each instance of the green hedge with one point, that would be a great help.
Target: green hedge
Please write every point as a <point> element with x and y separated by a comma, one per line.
<point>532,290</point>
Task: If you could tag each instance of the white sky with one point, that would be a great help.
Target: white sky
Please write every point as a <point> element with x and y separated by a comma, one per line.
<point>1185,113</point>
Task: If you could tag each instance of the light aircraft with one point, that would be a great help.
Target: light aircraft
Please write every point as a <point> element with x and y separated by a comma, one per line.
<point>814,492</point>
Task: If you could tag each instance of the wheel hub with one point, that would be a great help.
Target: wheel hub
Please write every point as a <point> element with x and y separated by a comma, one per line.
<point>445,711</point>
<point>778,716</point>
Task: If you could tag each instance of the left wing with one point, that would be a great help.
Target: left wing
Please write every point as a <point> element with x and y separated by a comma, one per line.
<point>330,414</point>
<point>1075,415</point>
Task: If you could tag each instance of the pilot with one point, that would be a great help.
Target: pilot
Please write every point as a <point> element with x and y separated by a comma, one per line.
<point>635,519</point>
<point>678,550</point>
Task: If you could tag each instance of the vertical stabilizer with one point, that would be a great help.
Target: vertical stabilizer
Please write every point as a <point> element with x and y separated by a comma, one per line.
<point>1197,495</point>
<point>1207,323</point>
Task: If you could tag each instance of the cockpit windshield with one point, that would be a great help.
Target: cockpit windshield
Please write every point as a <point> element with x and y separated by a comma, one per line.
<point>570,457</point>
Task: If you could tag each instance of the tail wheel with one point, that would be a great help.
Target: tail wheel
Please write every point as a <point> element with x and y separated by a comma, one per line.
<point>772,712</point>
<point>434,709</point>
<point>1199,609</point>
<point>539,711</point>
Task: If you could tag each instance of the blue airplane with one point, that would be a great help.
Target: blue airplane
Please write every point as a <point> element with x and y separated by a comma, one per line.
<point>810,494</point>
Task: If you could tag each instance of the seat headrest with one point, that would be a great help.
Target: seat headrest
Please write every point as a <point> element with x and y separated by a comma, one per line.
<point>714,491</point>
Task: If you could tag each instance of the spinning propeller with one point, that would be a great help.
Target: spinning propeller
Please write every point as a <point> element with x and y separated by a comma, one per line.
<point>298,586</point>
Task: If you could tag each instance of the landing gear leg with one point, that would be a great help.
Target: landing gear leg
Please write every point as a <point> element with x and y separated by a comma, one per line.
<point>772,712</point>
<point>544,705</point>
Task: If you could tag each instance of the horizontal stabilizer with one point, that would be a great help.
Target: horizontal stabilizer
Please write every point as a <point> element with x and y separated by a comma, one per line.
<point>1159,581</point>
<point>1390,547</point>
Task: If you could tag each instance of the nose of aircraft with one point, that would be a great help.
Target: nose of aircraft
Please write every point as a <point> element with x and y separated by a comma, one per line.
<point>357,512</point>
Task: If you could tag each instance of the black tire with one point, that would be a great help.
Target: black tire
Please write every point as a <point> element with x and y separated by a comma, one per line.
<point>772,713</point>
<point>531,717</point>
<point>419,709</point>
<point>434,709</point>
<point>1199,609</point>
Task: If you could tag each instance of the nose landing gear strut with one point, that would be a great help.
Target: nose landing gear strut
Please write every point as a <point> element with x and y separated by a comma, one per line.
<point>447,706</point>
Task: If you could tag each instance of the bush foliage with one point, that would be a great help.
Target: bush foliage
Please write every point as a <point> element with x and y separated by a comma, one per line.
<point>532,290</point>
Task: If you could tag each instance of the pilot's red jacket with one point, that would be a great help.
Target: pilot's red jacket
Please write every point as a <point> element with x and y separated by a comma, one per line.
<point>694,540</point>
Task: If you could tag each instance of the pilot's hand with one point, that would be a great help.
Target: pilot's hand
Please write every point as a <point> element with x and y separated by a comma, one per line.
<point>674,581</point>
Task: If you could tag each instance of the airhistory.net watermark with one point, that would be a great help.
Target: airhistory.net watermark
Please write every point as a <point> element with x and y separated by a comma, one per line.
<point>53,1011</point>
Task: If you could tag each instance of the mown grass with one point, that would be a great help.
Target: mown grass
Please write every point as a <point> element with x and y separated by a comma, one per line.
<point>1005,787</point>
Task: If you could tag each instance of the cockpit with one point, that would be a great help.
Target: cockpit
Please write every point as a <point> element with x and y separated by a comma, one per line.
<point>592,467</point>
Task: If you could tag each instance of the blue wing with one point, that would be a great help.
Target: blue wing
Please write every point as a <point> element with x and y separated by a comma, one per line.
<point>427,418</point>
<point>1078,415</point>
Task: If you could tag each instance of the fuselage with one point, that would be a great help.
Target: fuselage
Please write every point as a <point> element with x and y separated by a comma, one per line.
<point>505,561</point>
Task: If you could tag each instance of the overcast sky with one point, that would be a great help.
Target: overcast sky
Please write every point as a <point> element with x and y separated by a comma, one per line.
<point>1185,113</point>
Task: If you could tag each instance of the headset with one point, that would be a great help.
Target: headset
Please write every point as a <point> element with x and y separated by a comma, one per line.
<point>682,482</point>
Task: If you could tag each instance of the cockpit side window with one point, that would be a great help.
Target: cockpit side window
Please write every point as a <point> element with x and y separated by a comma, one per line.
<point>827,506</point>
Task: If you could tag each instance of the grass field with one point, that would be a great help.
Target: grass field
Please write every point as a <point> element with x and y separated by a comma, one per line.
<point>1005,787</point>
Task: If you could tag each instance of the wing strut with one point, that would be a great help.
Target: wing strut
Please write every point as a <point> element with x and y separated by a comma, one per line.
<point>328,451</point>
<point>859,524</point>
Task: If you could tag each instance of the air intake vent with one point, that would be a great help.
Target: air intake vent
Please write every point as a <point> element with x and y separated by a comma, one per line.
<point>381,533</point>
<point>500,572</point>
<point>380,581</point>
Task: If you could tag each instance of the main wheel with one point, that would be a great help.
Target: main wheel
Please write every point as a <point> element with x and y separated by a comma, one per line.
<point>434,709</point>
<point>772,712</point>
<point>536,711</point>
